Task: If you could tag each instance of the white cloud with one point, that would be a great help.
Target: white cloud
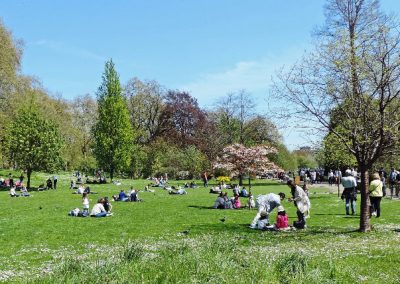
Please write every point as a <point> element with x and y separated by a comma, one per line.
<point>253,76</point>
<point>66,49</point>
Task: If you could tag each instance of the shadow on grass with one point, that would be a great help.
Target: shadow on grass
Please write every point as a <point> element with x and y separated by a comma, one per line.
<point>227,227</point>
<point>338,215</point>
<point>203,207</point>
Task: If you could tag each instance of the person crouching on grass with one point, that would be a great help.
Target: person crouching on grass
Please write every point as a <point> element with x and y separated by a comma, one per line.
<point>267,203</point>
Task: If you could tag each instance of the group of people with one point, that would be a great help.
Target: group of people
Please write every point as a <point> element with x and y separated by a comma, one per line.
<point>268,202</point>
<point>376,190</point>
<point>132,196</point>
<point>224,202</point>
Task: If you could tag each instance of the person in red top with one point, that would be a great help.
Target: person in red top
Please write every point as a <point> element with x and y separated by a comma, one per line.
<point>282,220</point>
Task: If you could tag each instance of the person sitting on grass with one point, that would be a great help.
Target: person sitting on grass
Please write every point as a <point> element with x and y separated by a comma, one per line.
<point>122,196</point>
<point>80,190</point>
<point>220,202</point>
<point>24,191</point>
<point>49,183</point>
<point>13,193</point>
<point>263,221</point>
<point>98,210</point>
<point>243,192</point>
<point>107,205</point>
<point>227,201</point>
<point>236,202</point>
<point>282,220</point>
<point>134,197</point>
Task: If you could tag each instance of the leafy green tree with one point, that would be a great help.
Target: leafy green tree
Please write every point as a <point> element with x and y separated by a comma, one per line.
<point>113,134</point>
<point>34,143</point>
<point>284,158</point>
<point>334,154</point>
<point>352,80</point>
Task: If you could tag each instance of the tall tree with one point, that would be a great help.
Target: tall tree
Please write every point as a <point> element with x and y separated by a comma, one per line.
<point>34,142</point>
<point>113,134</point>
<point>84,116</point>
<point>351,80</point>
<point>145,104</point>
<point>182,119</point>
<point>10,60</point>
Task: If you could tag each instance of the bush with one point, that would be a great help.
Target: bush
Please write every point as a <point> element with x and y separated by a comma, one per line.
<point>224,179</point>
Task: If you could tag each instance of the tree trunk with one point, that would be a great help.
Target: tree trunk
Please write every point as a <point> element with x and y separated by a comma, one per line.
<point>249,183</point>
<point>111,173</point>
<point>28,175</point>
<point>240,180</point>
<point>364,207</point>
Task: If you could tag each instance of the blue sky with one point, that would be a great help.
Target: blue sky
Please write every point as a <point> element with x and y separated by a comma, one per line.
<point>207,47</point>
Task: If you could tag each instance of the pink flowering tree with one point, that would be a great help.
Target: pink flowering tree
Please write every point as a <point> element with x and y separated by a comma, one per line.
<point>240,160</point>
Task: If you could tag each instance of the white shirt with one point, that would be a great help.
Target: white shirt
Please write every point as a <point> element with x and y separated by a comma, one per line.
<point>98,208</point>
<point>85,202</point>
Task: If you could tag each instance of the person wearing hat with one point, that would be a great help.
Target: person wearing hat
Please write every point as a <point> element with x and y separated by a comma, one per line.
<point>282,220</point>
<point>267,203</point>
<point>375,195</point>
<point>350,192</point>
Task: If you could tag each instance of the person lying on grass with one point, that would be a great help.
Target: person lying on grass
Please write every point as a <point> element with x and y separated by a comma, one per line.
<point>179,191</point>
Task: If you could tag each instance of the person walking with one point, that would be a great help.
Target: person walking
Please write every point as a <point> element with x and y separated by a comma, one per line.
<point>375,195</point>
<point>350,192</point>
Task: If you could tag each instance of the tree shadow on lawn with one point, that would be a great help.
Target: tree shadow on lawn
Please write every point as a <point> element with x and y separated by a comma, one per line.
<point>202,207</point>
<point>244,228</point>
<point>211,207</point>
<point>338,215</point>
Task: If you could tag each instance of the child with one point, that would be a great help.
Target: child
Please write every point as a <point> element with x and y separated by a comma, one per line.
<point>236,202</point>
<point>251,203</point>
<point>263,221</point>
<point>85,202</point>
<point>282,220</point>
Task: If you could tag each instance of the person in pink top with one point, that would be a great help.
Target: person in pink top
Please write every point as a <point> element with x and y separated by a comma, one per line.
<point>282,220</point>
<point>236,202</point>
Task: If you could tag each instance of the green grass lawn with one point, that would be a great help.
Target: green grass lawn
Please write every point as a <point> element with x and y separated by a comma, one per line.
<point>142,242</point>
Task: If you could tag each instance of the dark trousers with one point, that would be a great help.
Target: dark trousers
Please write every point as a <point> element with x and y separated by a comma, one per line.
<point>55,184</point>
<point>375,205</point>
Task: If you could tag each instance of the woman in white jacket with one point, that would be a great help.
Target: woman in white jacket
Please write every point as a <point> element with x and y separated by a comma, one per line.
<point>301,201</point>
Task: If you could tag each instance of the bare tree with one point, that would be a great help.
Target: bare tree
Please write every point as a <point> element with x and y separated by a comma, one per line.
<point>349,86</point>
<point>145,103</point>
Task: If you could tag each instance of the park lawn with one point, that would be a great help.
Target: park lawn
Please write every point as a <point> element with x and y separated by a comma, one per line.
<point>180,239</point>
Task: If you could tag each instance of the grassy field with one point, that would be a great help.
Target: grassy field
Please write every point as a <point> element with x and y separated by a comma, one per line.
<point>143,242</point>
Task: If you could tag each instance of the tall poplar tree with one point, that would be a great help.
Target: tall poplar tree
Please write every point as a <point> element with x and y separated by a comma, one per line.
<point>113,135</point>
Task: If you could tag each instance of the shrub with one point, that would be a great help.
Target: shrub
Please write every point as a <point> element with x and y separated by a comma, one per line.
<point>224,179</point>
